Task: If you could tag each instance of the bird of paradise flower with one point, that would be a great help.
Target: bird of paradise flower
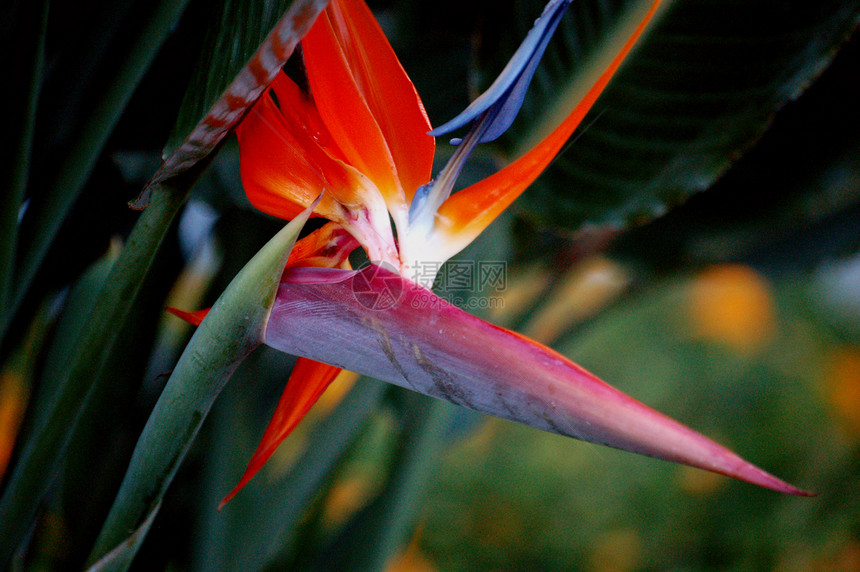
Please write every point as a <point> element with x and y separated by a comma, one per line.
<point>357,148</point>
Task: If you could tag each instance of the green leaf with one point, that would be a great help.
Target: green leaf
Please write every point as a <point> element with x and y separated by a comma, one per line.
<point>122,555</point>
<point>28,38</point>
<point>73,171</point>
<point>374,536</point>
<point>235,31</point>
<point>233,328</point>
<point>799,188</point>
<point>699,90</point>
<point>82,298</point>
<point>266,515</point>
<point>40,458</point>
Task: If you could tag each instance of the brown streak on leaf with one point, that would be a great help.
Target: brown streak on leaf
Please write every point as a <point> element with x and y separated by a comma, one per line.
<point>248,85</point>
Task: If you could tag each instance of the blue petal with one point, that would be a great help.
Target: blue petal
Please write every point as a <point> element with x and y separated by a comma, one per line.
<point>505,97</point>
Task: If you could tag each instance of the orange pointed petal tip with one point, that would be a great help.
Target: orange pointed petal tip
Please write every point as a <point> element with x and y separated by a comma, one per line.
<point>308,380</point>
<point>367,101</point>
<point>468,212</point>
<point>193,318</point>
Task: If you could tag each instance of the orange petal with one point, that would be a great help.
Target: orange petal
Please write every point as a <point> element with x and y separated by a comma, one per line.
<point>277,178</point>
<point>367,100</point>
<point>288,157</point>
<point>193,318</point>
<point>283,166</point>
<point>307,382</point>
<point>303,121</point>
<point>467,213</point>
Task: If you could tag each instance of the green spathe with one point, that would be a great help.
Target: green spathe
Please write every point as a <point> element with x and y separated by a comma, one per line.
<point>233,329</point>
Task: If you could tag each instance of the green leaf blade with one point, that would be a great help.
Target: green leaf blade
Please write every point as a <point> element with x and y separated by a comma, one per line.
<point>700,91</point>
<point>232,329</point>
<point>19,138</point>
<point>40,458</point>
<point>65,186</point>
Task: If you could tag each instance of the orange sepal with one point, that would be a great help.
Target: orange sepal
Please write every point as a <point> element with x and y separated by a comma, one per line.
<point>468,212</point>
<point>367,101</point>
<point>307,382</point>
<point>193,318</point>
<point>329,246</point>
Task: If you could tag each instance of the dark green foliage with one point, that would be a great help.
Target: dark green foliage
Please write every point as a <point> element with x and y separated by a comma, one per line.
<point>699,91</point>
<point>728,137</point>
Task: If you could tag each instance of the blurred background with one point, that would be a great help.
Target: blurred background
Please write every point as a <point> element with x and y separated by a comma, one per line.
<point>696,245</point>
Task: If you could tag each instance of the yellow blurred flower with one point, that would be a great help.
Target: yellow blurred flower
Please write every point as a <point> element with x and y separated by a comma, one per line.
<point>733,305</point>
<point>842,386</point>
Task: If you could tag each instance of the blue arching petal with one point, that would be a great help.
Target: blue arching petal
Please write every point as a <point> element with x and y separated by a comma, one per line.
<point>509,89</point>
<point>490,115</point>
